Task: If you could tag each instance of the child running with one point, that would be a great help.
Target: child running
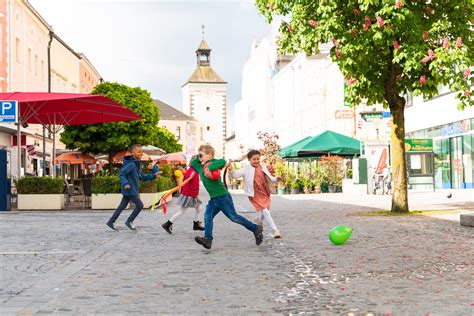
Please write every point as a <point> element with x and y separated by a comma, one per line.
<point>220,198</point>
<point>188,198</point>
<point>257,187</point>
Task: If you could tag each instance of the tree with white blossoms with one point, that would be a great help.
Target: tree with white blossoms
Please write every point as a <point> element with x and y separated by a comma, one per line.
<point>385,49</point>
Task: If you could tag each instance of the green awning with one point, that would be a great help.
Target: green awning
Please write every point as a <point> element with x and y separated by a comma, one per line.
<point>329,142</point>
<point>285,151</point>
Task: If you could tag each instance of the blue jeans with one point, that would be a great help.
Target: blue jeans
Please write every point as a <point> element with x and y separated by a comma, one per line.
<point>225,204</point>
<point>123,204</point>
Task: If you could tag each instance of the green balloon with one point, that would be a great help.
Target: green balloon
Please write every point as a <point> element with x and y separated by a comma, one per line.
<point>340,234</point>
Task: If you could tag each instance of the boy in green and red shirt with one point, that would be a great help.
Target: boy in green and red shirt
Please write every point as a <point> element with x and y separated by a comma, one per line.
<point>220,200</point>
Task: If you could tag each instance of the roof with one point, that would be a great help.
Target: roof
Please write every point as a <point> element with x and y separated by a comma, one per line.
<point>205,74</point>
<point>170,113</point>
<point>203,46</point>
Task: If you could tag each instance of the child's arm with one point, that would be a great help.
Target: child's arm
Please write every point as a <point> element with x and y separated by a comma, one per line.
<point>147,177</point>
<point>274,179</point>
<point>123,176</point>
<point>216,164</point>
<point>236,174</point>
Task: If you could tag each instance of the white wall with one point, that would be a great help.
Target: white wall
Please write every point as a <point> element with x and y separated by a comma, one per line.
<point>209,106</point>
<point>438,111</point>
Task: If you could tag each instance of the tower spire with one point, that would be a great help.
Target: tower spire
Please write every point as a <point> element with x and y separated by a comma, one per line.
<point>203,30</point>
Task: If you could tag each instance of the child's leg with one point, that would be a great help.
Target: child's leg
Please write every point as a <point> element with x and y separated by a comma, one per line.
<point>123,204</point>
<point>268,218</point>
<point>138,208</point>
<point>226,204</point>
<point>198,213</point>
<point>211,212</point>
<point>178,214</point>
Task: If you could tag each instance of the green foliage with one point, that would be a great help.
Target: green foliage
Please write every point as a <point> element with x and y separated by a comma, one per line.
<point>384,48</point>
<point>281,170</point>
<point>164,183</point>
<point>105,184</point>
<point>332,166</point>
<point>167,172</point>
<point>167,141</point>
<point>149,186</point>
<point>113,137</point>
<point>39,185</point>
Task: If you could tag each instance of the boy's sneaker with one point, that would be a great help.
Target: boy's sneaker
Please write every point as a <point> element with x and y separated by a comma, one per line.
<point>130,225</point>
<point>197,225</point>
<point>168,226</point>
<point>259,235</point>
<point>111,225</point>
<point>203,241</point>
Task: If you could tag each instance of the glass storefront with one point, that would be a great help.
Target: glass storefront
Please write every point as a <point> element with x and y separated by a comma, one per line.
<point>453,146</point>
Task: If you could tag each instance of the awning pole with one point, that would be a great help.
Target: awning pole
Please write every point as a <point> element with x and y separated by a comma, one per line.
<point>18,146</point>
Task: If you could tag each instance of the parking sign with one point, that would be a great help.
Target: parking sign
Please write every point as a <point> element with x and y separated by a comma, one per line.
<point>8,111</point>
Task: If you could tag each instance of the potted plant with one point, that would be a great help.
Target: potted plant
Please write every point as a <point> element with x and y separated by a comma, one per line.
<point>281,171</point>
<point>334,172</point>
<point>40,193</point>
<point>319,178</point>
<point>294,187</point>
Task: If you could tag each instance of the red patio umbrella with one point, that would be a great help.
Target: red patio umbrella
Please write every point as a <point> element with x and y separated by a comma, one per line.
<point>75,158</point>
<point>178,158</point>
<point>59,109</point>
<point>118,157</point>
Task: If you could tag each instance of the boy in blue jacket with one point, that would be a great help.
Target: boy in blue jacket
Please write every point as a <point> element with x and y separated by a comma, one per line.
<point>129,176</point>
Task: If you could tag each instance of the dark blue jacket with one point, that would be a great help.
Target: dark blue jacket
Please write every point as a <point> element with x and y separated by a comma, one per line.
<point>131,174</point>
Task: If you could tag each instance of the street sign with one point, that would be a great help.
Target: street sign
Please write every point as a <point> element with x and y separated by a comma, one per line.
<point>8,111</point>
<point>371,115</point>
<point>344,114</point>
<point>419,144</point>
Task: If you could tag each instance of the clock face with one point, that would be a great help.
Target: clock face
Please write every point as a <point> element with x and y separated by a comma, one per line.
<point>203,58</point>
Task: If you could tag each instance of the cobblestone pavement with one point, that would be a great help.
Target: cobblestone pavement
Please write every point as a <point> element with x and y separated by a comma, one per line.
<point>68,263</point>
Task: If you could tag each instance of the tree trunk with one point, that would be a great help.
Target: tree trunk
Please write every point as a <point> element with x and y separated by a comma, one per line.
<point>399,164</point>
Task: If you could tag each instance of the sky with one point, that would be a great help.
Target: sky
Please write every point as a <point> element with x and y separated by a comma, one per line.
<point>152,43</point>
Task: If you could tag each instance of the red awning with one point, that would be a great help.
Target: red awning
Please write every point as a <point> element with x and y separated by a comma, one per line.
<point>68,108</point>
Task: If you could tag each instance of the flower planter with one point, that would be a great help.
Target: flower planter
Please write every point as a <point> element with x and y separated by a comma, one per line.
<point>295,190</point>
<point>281,191</point>
<point>105,201</point>
<point>110,201</point>
<point>332,189</point>
<point>317,189</point>
<point>40,201</point>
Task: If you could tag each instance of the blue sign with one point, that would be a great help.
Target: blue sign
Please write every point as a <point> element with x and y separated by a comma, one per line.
<point>8,111</point>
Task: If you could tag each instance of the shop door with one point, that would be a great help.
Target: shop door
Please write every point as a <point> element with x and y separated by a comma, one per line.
<point>457,178</point>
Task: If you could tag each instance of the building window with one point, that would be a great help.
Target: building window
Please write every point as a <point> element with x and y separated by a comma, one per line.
<point>202,134</point>
<point>208,108</point>
<point>29,59</point>
<point>36,65</point>
<point>178,133</point>
<point>42,70</point>
<point>18,50</point>
<point>208,128</point>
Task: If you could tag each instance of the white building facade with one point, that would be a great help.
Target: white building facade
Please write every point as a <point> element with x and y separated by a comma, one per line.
<point>205,99</point>
<point>452,132</point>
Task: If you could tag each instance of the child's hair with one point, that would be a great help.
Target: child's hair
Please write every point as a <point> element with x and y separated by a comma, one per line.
<point>208,149</point>
<point>135,146</point>
<point>252,153</point>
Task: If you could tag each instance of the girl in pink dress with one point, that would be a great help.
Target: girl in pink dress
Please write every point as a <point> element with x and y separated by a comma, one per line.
<point>258,184</point>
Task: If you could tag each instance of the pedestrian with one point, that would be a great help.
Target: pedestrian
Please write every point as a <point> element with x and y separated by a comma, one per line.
<point>188,198</point>
<point>129,176</point>
<point>258,184</point>
<point>220,200</point>
<point>179,176</point>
